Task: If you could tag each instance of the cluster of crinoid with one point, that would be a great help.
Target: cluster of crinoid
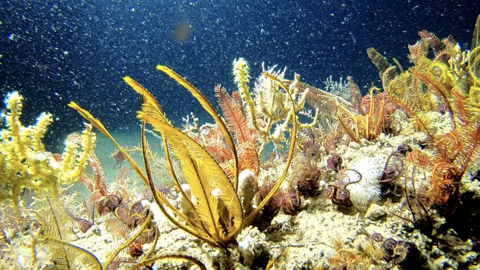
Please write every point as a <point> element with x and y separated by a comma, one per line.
<point>306,168</point>
<point>350,257</point>
<point>393,171</point>
<point>126,221</point>
<point>288,200</point>
<point>446,84</point>
<point>127,218</point>
<point>305,182</point>
<point>338,192</point>
<point>375,117</point>
<point>377,253</point>
<point>122,217</point>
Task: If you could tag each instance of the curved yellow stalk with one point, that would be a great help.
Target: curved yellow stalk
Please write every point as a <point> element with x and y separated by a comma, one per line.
<point>128,242</point>
<point>97,124</point>
<point>293,138</point>
<point>151,107</point>
<point>209,108</point>
<point>355,136</point>
<point>152,248</point>
<point>195,231</point>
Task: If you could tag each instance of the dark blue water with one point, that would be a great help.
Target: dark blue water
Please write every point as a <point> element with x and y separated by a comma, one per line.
<point>57,51</point>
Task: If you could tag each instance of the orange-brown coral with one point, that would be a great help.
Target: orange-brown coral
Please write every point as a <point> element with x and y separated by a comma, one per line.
<point>245,135</point>
<point>447,82</point>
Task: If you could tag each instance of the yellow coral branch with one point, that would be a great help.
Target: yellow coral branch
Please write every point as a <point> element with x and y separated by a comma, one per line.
<point>24,163</point>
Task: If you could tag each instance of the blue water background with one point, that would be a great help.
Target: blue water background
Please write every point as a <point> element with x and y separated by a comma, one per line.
<point>55,52</point>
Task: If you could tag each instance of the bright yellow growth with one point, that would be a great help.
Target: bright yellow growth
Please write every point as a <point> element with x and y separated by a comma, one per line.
<point>217,212</point>
<point>24,163</point>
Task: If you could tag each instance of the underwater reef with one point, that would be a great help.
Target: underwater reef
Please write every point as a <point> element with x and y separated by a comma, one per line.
<point>287,176</point>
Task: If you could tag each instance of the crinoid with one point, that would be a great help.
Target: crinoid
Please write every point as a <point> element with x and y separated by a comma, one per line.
<point>108,204</point>
<point>334,163</point>
<point>338,192</point>
<point>218,215</point>
<point>376,109</point>
<point>84,224</point>
<point>422,218</point>
<point>331,139</point>
<point>307,175</point>
<point>245,135</point>
<point>288,200</point>
<point>392,170</point>
<point>365,256</point>
<point>106,199</point>
<point>403,253</point>
<point>449,82</point>
<point>54,236</point>
<point>133,215</point>
<point>126,220</point>
<point>373,250</point>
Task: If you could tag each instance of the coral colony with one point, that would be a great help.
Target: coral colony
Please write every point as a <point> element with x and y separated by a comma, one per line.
<point>288,176</point>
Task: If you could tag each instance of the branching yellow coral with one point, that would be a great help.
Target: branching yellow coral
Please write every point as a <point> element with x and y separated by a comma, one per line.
<point>269,109</point>
<point>24,163</point>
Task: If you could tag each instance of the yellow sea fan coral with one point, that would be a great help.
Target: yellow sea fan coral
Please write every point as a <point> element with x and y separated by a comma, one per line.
<point>24,163</point>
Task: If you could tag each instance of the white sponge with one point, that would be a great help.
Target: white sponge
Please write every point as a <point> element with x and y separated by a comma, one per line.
<point>368,189</point>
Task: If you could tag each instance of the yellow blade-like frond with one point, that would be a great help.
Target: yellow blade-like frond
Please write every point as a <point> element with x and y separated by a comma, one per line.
<point>194,226</point>
<point>97,124</point>
<point>151,107</point>
<point>68,256</point>
<point>150,104</point>
<point>209,108</point>
<point>216,203</point>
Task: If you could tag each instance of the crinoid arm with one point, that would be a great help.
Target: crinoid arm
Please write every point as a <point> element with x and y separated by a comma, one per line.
<point>194,228</point>
<point>55,236</point>
<point>209,108</point>
<point>217,203</point>
<point>97,124</point>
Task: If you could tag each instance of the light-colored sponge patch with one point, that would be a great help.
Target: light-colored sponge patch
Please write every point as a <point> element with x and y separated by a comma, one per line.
<point>368,189</point>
